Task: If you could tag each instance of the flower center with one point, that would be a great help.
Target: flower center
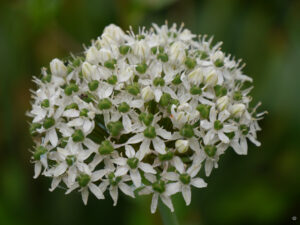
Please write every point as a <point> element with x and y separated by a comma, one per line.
<point>159,186</point>
<point>218,125</point>
<point>132,162</point>
<point>185,178</point>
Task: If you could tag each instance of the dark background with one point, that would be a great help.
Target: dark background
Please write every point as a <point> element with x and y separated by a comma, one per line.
<point>261,188</point>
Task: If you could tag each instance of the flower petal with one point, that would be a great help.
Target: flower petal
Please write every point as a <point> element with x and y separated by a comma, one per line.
<point>37,169</point>
<point>136,139</point>
<point>154,202</point>
<point>53,137</point>
<point>127,123</point>
<point>178,164</point>
<point>85,195</point>
<point>163,133</point>
<point>136,177</point>
<point>113,191</point>
<point>96,191</point>
<point>223,137</point>
<point>129,151</point>
<point>159,145</point>
<point>186,193</point>
<point>173,188</point>
<point>198,182</point>
<point>126,189</point>
<point>144,149</point>
<point>167,201</point>
<point>147,168</point>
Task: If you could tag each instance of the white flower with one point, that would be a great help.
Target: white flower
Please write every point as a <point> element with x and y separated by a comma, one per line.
<point>196,76</point>
<point>58,68</point>
<point>132,164</point>
<point>159,190</point>
<point>147,94</point>
<point>134,107</point>
<point>183,182</point>
<point>141,49</point>
<point>117,181</point>
<point>85,183</point>
<point>88,70</point>
<point>218,55</point>
<point>154,137</point>
<point>237,110</point>
<point>113,32</point>
<point>182,145</point>
<point>92,55</point>
<point>176,52</point>
<point>222,103</point>
<point>217,126</point>
<point>211,78</point>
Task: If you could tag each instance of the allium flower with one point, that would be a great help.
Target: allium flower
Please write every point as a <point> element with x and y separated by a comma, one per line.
<point>141,113</point>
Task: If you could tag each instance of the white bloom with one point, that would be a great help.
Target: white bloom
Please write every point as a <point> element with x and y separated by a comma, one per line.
<point>104,55</point>
<point>112,34</point>
<point>184,181</point>
<point>92,55</point>
<point>182,145</point>
<point>58,68</point>
<point>196,76</point>
<point>88,70</point>
<point>218,55</point>
<point>217,127</point>
<point>141,49</point>
<point>132,164</point>
<point>237,109</point>
<point>211,78</point>
<point>147,94</point>
<point>134,107</point>
<point>176,52</point>
<point>222,103</point>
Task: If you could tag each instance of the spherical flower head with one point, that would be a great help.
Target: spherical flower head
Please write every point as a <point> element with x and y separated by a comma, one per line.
<point>140,113</point>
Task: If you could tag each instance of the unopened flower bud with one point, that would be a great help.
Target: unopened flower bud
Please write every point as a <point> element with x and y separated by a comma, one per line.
<point>211,78</point>
<point>147,94</point>
<point>182,146</point>
<point>218,58</point>
<point>104,55</point>
<point>113,32</point>
<point>58,68</point>
<point>92,55</point>
<point>141,49</point>
<point>177,53</point>
<point>196,76</point>
<point>88,70</point>
<point>222,102</point>
<point>237,110</point>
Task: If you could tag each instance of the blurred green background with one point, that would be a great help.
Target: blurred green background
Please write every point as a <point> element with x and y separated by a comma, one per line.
<point>261,188</point>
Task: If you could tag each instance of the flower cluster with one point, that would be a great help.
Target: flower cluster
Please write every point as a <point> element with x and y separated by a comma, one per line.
<point>140,113</point>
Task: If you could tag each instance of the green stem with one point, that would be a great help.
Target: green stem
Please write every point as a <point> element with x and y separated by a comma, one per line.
<point>168,217</point>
